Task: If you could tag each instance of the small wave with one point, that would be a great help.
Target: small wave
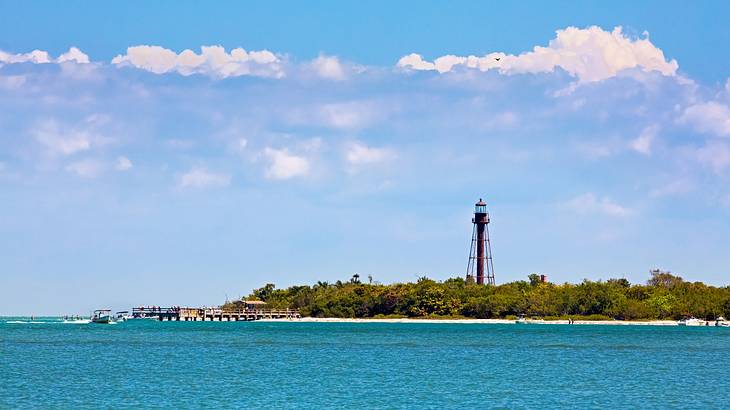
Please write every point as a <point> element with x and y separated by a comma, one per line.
<point>24,322</point>
<point>76,322</point>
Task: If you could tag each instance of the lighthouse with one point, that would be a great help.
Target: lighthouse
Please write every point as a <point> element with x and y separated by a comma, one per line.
<point>480,253</point>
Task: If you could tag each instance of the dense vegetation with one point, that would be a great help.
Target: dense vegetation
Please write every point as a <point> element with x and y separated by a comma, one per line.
<point>664,296</point>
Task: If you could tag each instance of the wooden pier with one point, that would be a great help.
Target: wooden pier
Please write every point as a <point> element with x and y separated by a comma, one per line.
<point>209,314</point>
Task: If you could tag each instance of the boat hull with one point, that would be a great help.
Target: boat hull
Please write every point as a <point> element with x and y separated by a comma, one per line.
<point>692,323</point>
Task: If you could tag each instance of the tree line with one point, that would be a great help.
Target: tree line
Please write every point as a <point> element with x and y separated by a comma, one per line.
<point>664,296</point>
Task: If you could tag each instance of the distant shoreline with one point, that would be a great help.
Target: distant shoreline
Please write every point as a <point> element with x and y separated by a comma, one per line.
<point>421,320</point>
<point>478,321</point>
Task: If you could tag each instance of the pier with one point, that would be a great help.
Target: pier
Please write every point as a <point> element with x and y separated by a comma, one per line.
<point>253,311</point>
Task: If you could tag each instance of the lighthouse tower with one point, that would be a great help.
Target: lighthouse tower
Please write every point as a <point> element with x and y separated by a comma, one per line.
<point>480,254</point>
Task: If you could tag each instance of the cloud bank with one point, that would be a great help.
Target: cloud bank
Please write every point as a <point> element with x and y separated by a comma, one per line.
<point>590,54</point>
<point>42,57</point>
<point>212,60</point>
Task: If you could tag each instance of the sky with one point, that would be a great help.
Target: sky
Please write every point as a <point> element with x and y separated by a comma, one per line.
<point>184,153</point>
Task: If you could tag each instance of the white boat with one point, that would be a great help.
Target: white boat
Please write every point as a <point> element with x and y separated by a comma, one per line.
<point>721,322</point>
<point>521,320</point>
<point>691,321</point>
<point>122,316</point>
<point>103,316</point>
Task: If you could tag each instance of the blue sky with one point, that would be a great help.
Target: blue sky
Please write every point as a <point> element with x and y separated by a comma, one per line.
<point>311,142</point>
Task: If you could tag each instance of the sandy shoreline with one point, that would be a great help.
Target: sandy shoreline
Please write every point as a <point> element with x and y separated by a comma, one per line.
<point>479,321</point>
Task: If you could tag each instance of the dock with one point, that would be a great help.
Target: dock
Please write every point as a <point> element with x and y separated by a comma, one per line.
<point>212,314</point>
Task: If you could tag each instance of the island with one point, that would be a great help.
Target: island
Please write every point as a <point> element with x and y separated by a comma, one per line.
<point>664,297</point>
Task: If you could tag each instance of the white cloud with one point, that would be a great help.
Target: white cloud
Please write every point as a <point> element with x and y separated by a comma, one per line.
<point>311,145</point>
<point>597,149</point>
<point>715,155</point>
<point>62,141</point>
<point>347,115</point>
<point>676,187</point>
<point>589,203</point>
<point>643,143</point>
<point>213,61</point>
<point>123,164</point>
<point>75,55</point>
<point>284,165</point>
<point>35,57</point>
<point>11,82</point>
<point>415,62</point>
<point>360,154</point>
<point>328,67</point>
<point>590,54</point>
<point>42,57</point>
<point>242,144</point>
<point>88,168</point>
<point>199,177</point>
<point>709,117</point>
<point>180,144</point>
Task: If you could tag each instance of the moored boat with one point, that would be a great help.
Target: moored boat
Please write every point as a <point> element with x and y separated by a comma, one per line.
<point>103,316</point>
<point>122,316</point>
<point>691,321</point>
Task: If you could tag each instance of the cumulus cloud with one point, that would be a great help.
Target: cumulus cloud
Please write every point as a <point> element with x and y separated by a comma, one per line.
<point>200,177</point>
<point>284,165</point>
<point>328,67</point>
<point>589,203</point>
<point>213,61</point>
<point>360,154</point>
<point>35,57</point>
<point>88,168</point>
<point>708,117</point>
<point>42,57</point>
<point>123,164</point>
<point>590,54</point>
<point>75,55</point>
<point>416,62</point>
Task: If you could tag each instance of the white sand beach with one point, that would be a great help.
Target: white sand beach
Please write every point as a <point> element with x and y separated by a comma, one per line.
<point>478,321</point>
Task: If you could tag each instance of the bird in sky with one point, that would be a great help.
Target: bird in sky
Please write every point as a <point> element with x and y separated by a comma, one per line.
<point>497,58</point>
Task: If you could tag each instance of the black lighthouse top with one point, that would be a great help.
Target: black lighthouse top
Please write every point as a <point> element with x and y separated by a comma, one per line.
<point>480,207</point>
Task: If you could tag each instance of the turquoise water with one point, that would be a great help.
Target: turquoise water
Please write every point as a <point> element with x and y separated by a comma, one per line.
<point>361,365</point>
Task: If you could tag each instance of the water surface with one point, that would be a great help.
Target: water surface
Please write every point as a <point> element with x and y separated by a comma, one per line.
<point>363,365</point>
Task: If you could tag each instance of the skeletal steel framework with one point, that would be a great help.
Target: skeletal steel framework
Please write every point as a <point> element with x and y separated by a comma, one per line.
<point>480,252</point>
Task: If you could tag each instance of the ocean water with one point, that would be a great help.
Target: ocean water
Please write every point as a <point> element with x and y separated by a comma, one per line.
<point>360,365</point>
